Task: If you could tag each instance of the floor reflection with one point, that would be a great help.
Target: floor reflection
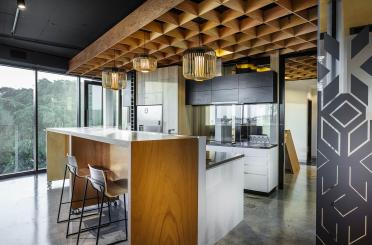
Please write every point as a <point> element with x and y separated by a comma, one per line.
<point>28,214</point>
<point>285,217</point>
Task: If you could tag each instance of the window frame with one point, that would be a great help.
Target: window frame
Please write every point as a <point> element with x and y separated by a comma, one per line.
<point>35,125</point>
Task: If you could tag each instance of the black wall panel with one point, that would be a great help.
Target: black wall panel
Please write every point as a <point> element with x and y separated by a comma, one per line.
<point>344,165</point>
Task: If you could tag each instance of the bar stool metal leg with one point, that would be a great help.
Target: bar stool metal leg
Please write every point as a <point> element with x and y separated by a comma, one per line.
<point>60,200</point>
<point>70,210</point>
<point>82,211</point>
<point>100,218</point>
<point>109,209</point>
<point>125,218</point>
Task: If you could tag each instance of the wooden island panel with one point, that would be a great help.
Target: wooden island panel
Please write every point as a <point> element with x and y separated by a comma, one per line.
<point>113,157</point>
<point>164,192</point>
<point>57,149</point>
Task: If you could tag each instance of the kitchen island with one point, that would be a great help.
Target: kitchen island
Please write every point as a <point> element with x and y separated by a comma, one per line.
<point>169,186</point>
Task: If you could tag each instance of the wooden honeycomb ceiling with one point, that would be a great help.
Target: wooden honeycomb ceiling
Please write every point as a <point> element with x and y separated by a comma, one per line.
<point>235,28</point>
<point>300,68</point>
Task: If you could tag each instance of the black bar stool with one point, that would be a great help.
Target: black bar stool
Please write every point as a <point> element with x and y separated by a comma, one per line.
<point>109,190</point>
<point>76,172</point>
<point>72,167</point>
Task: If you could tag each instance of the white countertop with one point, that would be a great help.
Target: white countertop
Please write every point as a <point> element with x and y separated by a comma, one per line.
<point>114,135</point>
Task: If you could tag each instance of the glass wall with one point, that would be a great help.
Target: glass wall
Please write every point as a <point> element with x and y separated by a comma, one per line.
<point>58,103</point>
<point>235,123</point>
<point>16,119</point>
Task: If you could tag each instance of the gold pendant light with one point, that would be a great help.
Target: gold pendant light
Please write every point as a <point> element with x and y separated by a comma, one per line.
<point>145,62</point>
<point>199,63</point>
<point>114,78</point>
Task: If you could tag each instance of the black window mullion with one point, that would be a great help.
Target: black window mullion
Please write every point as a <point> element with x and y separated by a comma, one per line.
<point>36,125</point>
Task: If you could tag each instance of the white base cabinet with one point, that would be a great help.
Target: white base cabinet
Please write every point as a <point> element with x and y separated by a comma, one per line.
<point>260,166</point>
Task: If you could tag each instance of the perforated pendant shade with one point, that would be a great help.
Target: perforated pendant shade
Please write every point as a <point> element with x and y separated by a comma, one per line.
<point>114,78</point>
<point>145,63</point>
<point>199,63</point>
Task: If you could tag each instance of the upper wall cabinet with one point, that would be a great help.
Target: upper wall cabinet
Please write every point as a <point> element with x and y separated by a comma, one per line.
<point>247,88</point>
<point>257,87</point>
<point>198,93</point>
<point>194,86</point>
<point>225,82</point>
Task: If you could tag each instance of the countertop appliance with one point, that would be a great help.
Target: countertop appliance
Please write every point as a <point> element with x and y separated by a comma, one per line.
<point>223,130</point>
<point>150,118</point>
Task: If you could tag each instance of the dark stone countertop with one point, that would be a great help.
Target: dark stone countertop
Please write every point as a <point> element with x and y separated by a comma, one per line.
<point>215,159</point>
<point>242,145</point>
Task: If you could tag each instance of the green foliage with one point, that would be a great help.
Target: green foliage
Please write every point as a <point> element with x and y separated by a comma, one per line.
<point>57,105</point>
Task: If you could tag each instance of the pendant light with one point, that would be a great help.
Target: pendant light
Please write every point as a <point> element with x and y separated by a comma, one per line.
<point>145,62</point>
<point>114,78</point>
<point>199,63</point>
<point>21,5</point>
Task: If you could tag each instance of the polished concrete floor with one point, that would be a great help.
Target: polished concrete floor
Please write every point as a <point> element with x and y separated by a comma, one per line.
<point>28,213</point>
<point>285,217</point>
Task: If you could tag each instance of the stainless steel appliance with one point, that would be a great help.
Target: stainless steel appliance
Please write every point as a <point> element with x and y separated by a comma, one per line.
<point>223,130</point>
<point>150,118</point>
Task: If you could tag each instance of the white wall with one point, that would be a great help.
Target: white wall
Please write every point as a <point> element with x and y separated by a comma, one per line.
<point>296,95</point>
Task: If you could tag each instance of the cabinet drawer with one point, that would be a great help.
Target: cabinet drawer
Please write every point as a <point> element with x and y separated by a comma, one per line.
<point>255,182</point>
<point>255,165</point>
<point>254,152</point>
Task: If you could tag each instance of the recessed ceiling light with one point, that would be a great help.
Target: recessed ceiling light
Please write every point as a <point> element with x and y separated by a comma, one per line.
<point>222,52</point>
<point>21,5</point>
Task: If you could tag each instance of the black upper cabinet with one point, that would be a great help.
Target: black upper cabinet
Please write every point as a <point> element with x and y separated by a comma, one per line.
<point>225,82</point>
<point>195,86</point>
<point>199,98</point>
<point>225,96</point>
<point>256,79</point>
<point>256,95</point>
<point>257,87</point>
<point>246,88</point>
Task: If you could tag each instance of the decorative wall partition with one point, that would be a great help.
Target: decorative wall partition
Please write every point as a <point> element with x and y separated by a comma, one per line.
<point>344,176</point>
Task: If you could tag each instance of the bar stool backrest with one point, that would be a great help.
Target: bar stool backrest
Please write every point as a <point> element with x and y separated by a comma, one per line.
<point>97,178</point>
<point>72,164</point>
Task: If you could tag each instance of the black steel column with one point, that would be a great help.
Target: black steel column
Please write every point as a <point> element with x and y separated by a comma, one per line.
<point>133,101</point>
<point>36,126</point>
<point>281,113</point>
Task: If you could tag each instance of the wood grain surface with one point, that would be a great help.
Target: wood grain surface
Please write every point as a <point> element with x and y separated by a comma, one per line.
<point>164,192</point>
<point>233,28</point>
<point>57,149</point>
<point>113,157</point>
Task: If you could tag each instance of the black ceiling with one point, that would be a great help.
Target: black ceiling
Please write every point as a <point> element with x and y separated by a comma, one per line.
<point>61,27</point>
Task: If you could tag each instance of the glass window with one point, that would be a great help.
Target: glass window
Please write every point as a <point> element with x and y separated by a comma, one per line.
<point>261,119</point>
<point>57,106</point>
<point>16,119</point>
<point>94,96</point>
<point>235,123</point>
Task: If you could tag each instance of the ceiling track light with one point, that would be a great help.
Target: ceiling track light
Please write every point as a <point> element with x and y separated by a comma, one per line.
<point>21,5</point>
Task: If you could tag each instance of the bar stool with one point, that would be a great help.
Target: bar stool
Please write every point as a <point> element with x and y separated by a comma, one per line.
<point>109,190</point>
<point>76,172</point>
<point>72,167</point>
